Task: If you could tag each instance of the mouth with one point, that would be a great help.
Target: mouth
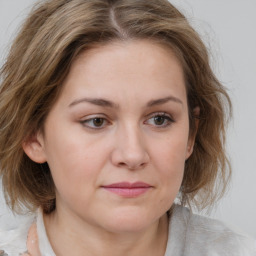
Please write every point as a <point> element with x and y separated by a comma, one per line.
<point>127,189</point>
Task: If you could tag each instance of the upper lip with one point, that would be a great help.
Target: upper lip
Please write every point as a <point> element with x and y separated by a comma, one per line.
<point>138,184</point>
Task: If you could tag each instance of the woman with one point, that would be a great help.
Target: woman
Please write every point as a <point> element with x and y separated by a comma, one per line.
<point>109,111</point>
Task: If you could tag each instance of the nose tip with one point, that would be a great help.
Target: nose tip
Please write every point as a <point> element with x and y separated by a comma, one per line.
<point>131,165</point>
<point>130,152</point>
<point>130,161</point>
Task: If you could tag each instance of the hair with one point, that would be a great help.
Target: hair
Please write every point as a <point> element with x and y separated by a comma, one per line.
<point>53,35</point>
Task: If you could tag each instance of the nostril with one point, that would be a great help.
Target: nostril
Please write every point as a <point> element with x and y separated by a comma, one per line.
<point>131,166</point>
<point>128,157</point>
<point>121,164</point>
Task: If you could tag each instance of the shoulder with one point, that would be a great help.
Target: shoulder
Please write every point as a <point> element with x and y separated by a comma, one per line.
<point>205,236</point>
<point>13,234</point>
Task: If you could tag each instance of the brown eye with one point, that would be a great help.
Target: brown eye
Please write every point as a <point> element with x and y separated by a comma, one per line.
<point>95,123</point>
<point>159,120</point>
<point>98,122</point>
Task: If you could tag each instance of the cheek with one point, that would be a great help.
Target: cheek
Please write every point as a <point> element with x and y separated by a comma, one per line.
<point>171,153</point>
<point>170,170</point>
<point>169,160</point>
<point>75,175</point>
<point>75,161</point>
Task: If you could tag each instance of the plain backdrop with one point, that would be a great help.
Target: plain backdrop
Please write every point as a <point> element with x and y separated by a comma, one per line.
<point>228,28</point>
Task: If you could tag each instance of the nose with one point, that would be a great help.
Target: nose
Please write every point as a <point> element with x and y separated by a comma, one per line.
<point>130,149</point>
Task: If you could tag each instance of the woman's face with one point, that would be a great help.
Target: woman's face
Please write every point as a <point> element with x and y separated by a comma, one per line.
<point>117,138</point>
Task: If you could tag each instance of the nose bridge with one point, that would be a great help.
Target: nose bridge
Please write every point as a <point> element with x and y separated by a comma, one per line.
<point>130,148</point>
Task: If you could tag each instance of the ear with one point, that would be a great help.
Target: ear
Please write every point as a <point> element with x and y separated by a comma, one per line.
<point>192,136</point>
<point>34,148</point>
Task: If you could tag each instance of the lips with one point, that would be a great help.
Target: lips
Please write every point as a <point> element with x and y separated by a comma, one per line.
<point>127,189</point>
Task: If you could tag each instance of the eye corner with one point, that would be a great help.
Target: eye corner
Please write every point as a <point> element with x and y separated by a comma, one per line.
<point>95,122</point>
<point>160,120</point>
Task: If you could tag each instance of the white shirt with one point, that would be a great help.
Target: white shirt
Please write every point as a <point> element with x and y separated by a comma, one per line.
<point>189,235</point>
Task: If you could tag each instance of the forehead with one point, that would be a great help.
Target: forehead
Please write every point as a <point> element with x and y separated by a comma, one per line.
<point>138,67</point>
<point>151,53</point>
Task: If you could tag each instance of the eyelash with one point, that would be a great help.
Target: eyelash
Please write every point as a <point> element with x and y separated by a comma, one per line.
<point>168,120</point>
<point>91,120</point>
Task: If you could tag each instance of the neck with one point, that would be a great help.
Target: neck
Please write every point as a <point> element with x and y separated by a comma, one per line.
<point>69,235</point>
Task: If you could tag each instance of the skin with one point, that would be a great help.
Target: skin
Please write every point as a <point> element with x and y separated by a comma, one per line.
<point>142,135</point>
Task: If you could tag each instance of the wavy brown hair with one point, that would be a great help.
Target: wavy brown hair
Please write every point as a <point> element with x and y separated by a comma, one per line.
<point>53,35</point>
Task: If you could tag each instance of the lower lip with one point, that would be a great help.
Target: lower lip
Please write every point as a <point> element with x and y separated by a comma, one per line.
<point>128,192</point>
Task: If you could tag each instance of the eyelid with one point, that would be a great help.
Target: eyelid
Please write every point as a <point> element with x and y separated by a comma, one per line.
<point>168,117</point>
<point>87,119</point>
<point>164,114</point>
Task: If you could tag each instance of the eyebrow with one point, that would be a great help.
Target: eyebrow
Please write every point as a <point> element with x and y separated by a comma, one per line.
<point>95,101</point>
<point>163,101</point>
<point>106,103</point>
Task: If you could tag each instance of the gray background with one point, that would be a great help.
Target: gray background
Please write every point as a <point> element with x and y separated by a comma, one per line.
<point>228,28</point>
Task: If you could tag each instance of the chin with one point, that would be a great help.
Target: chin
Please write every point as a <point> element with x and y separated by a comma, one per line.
<point>126,221</point>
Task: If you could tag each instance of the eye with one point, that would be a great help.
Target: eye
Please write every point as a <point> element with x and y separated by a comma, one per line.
<point>160,120</point>
<point>95,123</point>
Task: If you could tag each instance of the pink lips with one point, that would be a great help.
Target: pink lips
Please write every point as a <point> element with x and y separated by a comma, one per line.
<point>126,189</point>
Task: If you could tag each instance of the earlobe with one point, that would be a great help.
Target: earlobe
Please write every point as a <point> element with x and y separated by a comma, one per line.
<point>34,148</point>
<point>192,137</point>
<point>190,148</point>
